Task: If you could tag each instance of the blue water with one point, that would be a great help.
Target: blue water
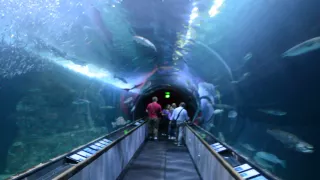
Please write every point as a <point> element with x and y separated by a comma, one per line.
<point>64,66</point>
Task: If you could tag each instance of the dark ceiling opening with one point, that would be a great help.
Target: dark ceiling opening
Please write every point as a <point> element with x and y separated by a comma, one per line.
<point>177,96</point>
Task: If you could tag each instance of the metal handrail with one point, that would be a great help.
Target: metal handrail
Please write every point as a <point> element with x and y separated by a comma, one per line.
<point>235,152</point>
<point>224,163</point>
<point>75,169</point>
<point>41,166</point>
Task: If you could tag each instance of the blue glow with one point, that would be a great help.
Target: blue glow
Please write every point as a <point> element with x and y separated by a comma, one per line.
<point>89,70</point>
<point>190,33</point>
<point>214,10</point>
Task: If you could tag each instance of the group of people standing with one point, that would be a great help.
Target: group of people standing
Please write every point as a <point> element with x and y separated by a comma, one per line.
<point>174,116</point>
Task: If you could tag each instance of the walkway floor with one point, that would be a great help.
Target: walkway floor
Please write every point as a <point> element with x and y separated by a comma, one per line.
<point>161,160</point>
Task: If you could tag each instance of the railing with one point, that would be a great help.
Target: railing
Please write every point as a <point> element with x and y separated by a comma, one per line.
<point>217,160</point>
<point>209,163</point>
<point>210,160</point>
<point>65,166</point>
<point>109,162</point>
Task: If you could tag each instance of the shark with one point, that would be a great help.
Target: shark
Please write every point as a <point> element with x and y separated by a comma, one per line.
<point>302,48</point>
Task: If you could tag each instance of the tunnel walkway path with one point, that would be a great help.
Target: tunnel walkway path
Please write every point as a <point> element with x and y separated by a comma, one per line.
<point>161,160</point>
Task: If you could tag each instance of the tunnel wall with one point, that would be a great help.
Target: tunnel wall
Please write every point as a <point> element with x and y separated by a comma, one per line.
<point>208,166</point>
<point>40,116</point>
<point>113,162</point>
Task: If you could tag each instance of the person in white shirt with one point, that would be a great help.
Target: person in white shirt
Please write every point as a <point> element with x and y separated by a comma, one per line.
<point>173,106</point>
<point>180,116</point>
<point>171,128</point>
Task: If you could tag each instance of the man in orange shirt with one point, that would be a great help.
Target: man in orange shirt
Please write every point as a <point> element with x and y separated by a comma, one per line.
<point>154,110</point>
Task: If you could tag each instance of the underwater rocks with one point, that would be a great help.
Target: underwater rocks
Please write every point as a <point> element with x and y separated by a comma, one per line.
<point>27,152</point>
<point>30,104</point>
<point>120,121</point>
<point>48,123</point>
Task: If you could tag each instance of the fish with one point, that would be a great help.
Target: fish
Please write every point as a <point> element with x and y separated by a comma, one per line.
<point>80,102</point>
<point>146,86</point>
<point>242,78</point>
<point>221,137</point>
<point>232,114</point>
<point>263,163</point>
<point>291,141</point>
<point>248,147</point>
<point>35,90</point>
<point>134,87</point>
<point>145,42</point>
<point>271,158</point>
<point>178,53</point>
<point>136,58</point>
<point>133,108</point>
<point>222,106</point>
<point>218,111</point>
<point>106,107</point>
<point>302,48</point>
<point>121,79</point>
<point>128,100</point>
<point>247,57</point>
<point>18,143</point>
<point>273,112</point>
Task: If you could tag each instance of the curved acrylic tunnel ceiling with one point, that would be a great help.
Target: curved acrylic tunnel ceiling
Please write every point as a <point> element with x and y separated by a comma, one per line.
<point>99,43</point>
<point>200,52</point>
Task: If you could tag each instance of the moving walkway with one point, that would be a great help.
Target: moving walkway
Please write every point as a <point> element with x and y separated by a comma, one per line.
<point>127,154</point>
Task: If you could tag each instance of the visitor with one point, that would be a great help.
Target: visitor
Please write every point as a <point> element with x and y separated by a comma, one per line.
<point>154,111</point>
<point>164,123</point>
<point>171,126</point>
<point>179,117</point>
<point>173,106</point>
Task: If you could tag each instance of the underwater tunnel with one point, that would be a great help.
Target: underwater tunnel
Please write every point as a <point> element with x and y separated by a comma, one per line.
<point>127,152</point>
<point>77,76</point>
